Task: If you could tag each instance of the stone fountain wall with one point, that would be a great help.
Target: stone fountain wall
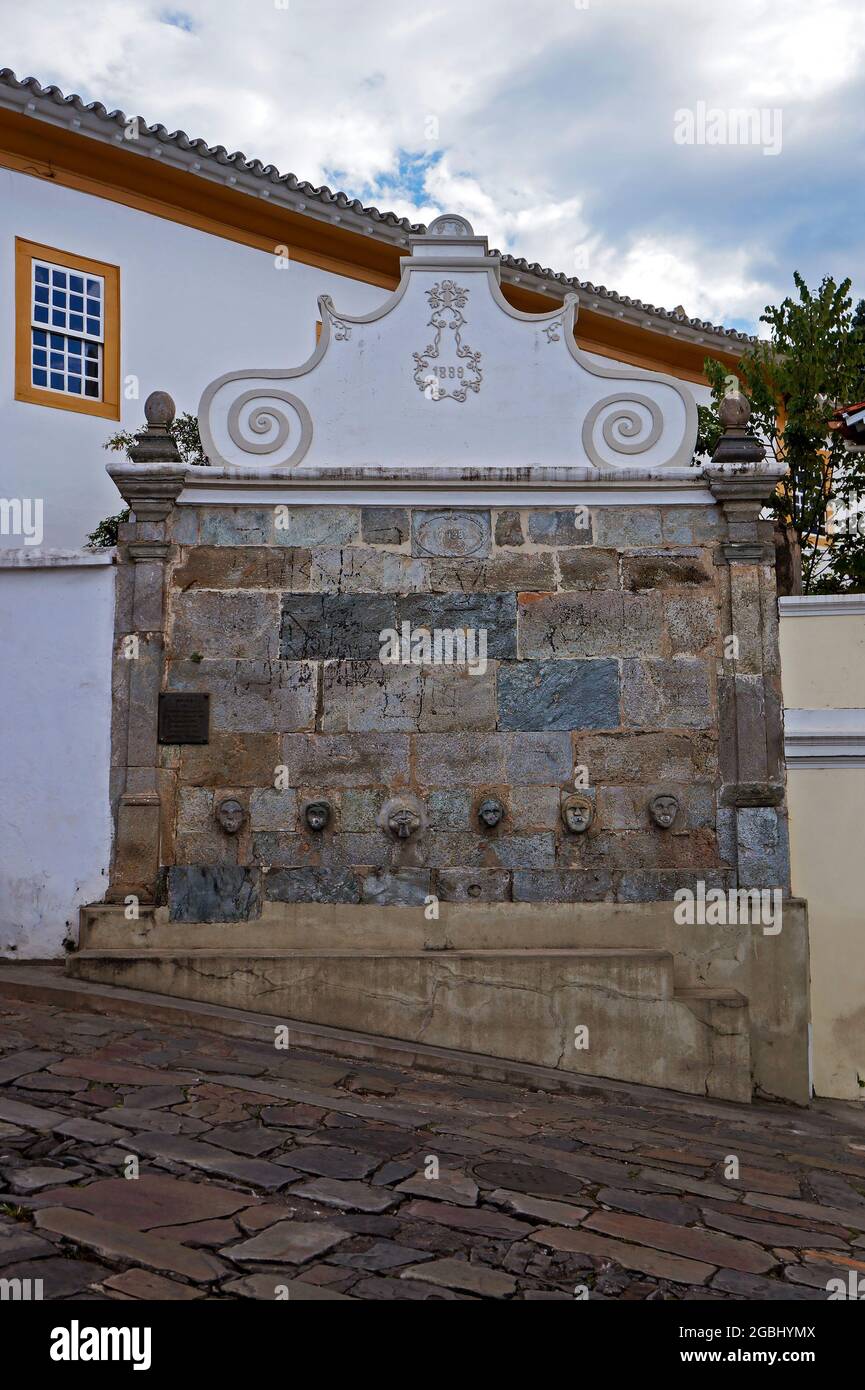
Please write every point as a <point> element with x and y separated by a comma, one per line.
<point>606,669</point>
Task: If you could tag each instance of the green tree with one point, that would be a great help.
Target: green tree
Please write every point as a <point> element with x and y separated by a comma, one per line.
<point>812,362</point>
<point>184,432</point>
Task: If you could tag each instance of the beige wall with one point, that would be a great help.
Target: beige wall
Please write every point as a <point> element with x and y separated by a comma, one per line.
<point>823,665</point>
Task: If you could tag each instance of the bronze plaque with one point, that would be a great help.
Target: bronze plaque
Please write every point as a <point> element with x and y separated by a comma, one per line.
<point>184,717</point>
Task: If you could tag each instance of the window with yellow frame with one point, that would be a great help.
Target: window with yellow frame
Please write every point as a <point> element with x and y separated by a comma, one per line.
<point>67,331</point>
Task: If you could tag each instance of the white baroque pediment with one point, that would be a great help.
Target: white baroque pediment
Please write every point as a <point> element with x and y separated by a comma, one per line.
<point>447,375</point>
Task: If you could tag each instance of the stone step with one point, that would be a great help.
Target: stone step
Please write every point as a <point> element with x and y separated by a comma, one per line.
<point>605,1012</point>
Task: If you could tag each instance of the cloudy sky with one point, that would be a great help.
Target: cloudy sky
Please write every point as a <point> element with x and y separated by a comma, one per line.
<point>595,136</point>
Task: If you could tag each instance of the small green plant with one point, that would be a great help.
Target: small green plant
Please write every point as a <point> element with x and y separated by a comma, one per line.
<point>183,430</point>
<point>105,534</point>
<point>185,433</point>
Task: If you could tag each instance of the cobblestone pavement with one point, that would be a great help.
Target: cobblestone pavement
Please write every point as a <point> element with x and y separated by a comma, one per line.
<point>263,1170</point>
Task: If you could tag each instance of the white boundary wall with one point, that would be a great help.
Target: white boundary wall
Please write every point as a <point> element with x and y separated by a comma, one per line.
<point>823,668</point>
<point>56,633</point>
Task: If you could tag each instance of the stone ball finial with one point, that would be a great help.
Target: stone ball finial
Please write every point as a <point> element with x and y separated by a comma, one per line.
<point>159,410</point>
<point>734,411</point>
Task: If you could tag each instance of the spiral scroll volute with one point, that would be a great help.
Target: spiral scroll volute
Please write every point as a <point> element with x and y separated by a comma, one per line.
<point>639,427</point>
<point>254,422</point>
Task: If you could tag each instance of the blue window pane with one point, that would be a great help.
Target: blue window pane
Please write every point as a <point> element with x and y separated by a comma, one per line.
<point>60,278</point>
<point>41,294</point>
<point>56,381</point>
<point>39,337</point>
<point>40,313</point>
<point>57,361</point>
<point>91,350</point>
<point>59,297</point>
<point>76,302</point>
<point>40,357</point>
<point>92,325</point>
<point>41,274</point>
<point>75,385</point>
<point>40,378</point>
<point>57,341</point>
<point>94,287</point>
<point>74,347</point>
<point>58,318</point>
<point>91,388</point>
<point>76,282</point>
<point>76,323</point>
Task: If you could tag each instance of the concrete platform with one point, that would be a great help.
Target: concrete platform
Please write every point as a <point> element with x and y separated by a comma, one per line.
<point>604,1012</point>
<point>704,1010</point>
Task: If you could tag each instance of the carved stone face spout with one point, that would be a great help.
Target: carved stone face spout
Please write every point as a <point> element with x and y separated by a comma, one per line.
<point>578,813</point>
<point>317,815</point>
<point>490,813</point>
<point>663,809</point>
<point>230,815</point>
<point>403,822</point>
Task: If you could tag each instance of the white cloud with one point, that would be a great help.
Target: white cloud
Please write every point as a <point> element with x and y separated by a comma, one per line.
<point>554,122</point>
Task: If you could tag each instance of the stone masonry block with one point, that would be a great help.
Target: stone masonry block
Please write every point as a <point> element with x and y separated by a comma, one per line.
<point>242,567</point>
<point>494,614</point>
<point>509,528</point>
<point>320,627</point>
<point>625,527</point>
<point>636,757</point>
<point>271,809</point>
<point>278,850</point>
<point>664,569</point>
<point>536,695</point>
<point>691,525</point>
<point>457,698</point>
<point>236,760</point>
<point>525,851</point>
<point>384,525</point>
<point>407,888</point>
<point>314,526</point>
<point>693,623</point>
<point>589,624</point>
<point>548,527</point>
<point>311,886</point>
<point>252,696</point>
<point>539,759</point>
<point>667,694</point>
<point>347,570</point>
<point>473,885</point>
<point>460,759</point>
<point>562,886</point>
<point>764,852</point>
<point>588,568</point>
<point>348,760</point>
<point>236,526</point>
<point>359,696</point>
<point>536,808</point>
<point>503,571</point>
<point>243,626</point>
<point>213,894</point>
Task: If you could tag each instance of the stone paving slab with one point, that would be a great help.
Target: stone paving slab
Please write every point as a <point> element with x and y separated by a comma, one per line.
<point>175,1162</point>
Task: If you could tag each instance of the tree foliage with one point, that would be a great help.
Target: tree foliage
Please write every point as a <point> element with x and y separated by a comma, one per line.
<point>811,363</point>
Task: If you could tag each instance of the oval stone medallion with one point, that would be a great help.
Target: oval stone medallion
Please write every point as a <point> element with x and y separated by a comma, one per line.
<point>452,535</point>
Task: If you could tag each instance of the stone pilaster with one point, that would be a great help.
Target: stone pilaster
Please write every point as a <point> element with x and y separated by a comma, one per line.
<point>750,703</point>
<point>150,486</point>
